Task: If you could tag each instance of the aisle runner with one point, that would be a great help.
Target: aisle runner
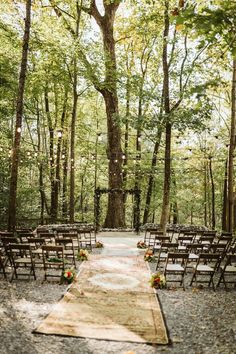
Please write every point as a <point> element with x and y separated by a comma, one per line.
<point>111,300</point>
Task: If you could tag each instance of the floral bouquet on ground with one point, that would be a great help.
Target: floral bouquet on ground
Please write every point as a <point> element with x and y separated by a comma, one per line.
<point>82,255</point>
<point>69,275</point>
<point>158,281</point>
<point>141,244</point>
<point>99,244</point>
<point>149,256</point>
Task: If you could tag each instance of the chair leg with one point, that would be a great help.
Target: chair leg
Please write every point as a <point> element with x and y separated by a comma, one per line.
<point>193,278</point>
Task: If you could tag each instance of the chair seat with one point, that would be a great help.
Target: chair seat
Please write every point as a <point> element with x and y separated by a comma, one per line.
<point>204,268</point>
<point>230,269</point>
<point>182,248</point>
<point>193,256</point>
<point>163,255</point>
<point>174,267</point>
<point>54,263</point>
<point>22,260</point>
<point>38,251</point>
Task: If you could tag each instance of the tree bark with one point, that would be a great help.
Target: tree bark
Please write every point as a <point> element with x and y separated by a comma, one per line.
<point>225,205</point>
<point>18,124</point>
<point>151,178</point>
<point>213,216</point>
<point>115,211</point>
<point>72,148</point>
<point>205,194</point>
<point>53,211</point>
<point>167,173</point>
<point>65,177</point>
<point>230,218</point>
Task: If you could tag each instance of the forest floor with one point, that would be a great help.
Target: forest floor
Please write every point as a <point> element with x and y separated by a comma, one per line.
<point>199,320</point>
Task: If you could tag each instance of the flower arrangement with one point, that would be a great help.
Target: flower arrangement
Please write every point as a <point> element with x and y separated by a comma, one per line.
<point>82,255</point>
<point>141,244</point>
<point>99,244</point>
<point>149,256</point>
<point>158,281</point>
<point>69,275</point>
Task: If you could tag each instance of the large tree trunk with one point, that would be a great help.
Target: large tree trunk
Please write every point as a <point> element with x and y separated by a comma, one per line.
<point>231,154</point>
<point>18,126</point>
<point>167,173</point>
<point>115,210</point>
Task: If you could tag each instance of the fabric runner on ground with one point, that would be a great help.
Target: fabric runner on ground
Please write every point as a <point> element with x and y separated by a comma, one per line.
<point>111,300</point>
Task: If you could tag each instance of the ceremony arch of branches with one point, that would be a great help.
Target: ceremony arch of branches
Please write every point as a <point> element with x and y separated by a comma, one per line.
<point>136,207</point>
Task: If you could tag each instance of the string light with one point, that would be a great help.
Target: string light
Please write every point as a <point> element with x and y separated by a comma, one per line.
<point>59,134</point>
<point>18,129</point>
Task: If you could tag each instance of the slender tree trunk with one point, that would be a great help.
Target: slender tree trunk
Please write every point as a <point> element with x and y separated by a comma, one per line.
<point>53,211</point>
<point>58,158</point>
<point>41,189</point>
<point>205,195</point>
<point>167,172</point>
<point>225,205</point>
<point>65,177</point>
<point>213,216</point>
<point>126,145</point>
<point>18,125</point>
<point>151,177</point>
<point>175,204</point>
<point>72,147</point>
<point>231,153</point>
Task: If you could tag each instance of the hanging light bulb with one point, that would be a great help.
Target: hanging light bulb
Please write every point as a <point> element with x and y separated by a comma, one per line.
<point>18,129</point>
<point>59,133</point>
<point>123,157</point>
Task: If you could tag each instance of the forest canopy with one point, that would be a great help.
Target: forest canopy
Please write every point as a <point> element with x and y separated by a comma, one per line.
<point>117,112</point>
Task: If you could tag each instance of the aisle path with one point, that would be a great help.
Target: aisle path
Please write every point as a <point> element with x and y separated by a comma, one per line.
<point>112,299</point>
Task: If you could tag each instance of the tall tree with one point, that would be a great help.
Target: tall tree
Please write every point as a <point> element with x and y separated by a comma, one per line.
<point>108,89</point>
<point>166,99</point>
<point>18,123</point>
<point>230,218</point>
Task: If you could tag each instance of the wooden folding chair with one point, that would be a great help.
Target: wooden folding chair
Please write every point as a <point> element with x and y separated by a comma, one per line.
<point>206,266</point>
<point>147,233</point>
<point>21,258</point>
<point>176,264</point>
<point>194,249</point>
<point>53,260</point>
<point>69,249</point>
<point>228,271</point>
<point>162,254</point>
<point>2,264</point>
<point>86,239</point>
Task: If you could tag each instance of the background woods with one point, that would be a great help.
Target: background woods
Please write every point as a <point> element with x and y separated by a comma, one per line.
<point>117,95</point>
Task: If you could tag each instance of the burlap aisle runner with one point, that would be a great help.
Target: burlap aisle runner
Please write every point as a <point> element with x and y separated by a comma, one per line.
<point>111,300</point>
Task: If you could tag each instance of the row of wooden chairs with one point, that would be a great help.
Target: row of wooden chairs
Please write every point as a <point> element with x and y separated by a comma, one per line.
<point>22,260</point>
<point>203,271</point>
